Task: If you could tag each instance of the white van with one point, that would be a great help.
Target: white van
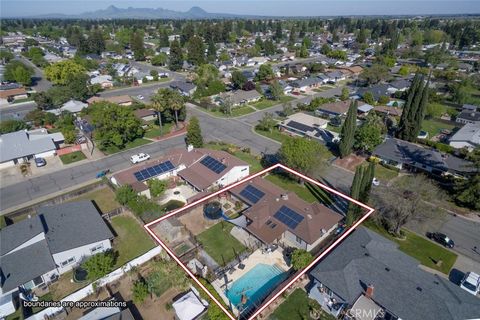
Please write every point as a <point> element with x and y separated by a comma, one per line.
<point>471,283</point>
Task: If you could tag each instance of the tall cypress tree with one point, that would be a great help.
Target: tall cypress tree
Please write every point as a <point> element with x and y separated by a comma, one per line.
<point>348,131</point>
<point>194,133</point>
<point>420,112</point>
<point>404,124</point>
<point>367,179</point>
<point>176,56</point>
<point>355,194</point>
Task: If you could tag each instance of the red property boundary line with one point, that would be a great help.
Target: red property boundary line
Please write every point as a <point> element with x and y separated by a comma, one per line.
<point>326,251</point>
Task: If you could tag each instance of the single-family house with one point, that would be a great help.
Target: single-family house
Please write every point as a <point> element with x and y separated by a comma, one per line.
<point>185,88</point>
<point>275,215</point>
<point>335,76</point>
<point>72,106</point>
<point>389,111</point>
<point>10,95</point>
<point>200,168</point>
<point>122,100</point>
<point>308,83</point>
<point>239,97</point>
<point>469,107</point>
<point>305,125</point>
<point>105,81</point>
<point>368,277</point>
<point>467,137</point>
<point>145,114</point>
<point>364,108</point>
<point>333,109</point>
<point>35,251</point>
<point>467,116</point>
<point>410,156</point>
<point>22,146</point>
<point>377,91</point>
<point>399,85</point>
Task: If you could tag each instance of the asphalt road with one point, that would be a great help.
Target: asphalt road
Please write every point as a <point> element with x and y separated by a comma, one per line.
<point>40,83</point>
<point>465,234</point>
<point>17,111</point>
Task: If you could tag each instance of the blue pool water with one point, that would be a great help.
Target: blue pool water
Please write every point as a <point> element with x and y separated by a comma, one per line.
<point>256,284</point>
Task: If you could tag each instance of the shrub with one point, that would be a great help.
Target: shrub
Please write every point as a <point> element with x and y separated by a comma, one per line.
<point>301,258</point>
<point>140,291</point>
<point>157,187</point>
<point>125,194</point>
<point>99,265</point>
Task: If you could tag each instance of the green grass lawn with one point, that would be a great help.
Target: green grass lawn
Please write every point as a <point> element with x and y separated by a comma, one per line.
<point>275,134</point>
<point>241,111</point>
<point>420,248</point>
<point>291,185</point>
<point>72,157</point>
<point>131,240</point>
<point>266,103</point>
<point>220,244</point>
<point>433,127</point>
<point>382,173</point>
<point>155,131</point>
<point>135,143</point>
<point>296,307</point>
<point>333,128</point>
<point>104,198</point>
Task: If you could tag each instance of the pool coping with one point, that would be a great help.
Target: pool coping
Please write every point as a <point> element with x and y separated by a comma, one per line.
<point>222,190</point>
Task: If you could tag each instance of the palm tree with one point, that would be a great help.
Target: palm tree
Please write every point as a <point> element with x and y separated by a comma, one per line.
<point>176,103</point>
<point>159,104</point>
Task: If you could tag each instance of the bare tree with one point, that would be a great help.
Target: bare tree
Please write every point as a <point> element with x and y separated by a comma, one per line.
<point>407,199</point>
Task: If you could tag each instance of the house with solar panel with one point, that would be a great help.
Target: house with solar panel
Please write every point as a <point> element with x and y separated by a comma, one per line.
<point>278,216</point>
<point>305,125</point>
<point>202,169</point>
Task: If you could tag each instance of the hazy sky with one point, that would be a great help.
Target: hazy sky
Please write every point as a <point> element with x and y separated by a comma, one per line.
<point>11,8</point>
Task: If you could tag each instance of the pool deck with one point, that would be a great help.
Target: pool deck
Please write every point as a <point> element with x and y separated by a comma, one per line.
<point>257,257</point>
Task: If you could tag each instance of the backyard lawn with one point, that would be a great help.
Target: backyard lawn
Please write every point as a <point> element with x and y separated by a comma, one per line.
<point>420,248</point>
<point>104,198</point>
<point>131,240</point>
<point>155,131</point>
<point>220,244</point>
<point>433,127</point>
<point>296,307</point>
<point>135,143</point>
<point>65,286</point>
<point>72,157</point>
<point>266,103</point>
<point>288,184</point>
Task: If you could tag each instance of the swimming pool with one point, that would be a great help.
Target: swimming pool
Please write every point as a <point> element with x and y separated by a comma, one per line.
<point>256,284</point>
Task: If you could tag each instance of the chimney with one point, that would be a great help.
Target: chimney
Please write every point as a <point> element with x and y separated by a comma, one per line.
<point>284,196</point>
<point>189,148</point>
<point>369,291</point>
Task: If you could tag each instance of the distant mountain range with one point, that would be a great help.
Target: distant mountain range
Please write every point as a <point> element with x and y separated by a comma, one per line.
<point>113,12</point>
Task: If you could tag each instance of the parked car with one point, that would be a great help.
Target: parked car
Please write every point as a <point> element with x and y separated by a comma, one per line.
<point>40,162</point>
<point>140,97</point>
<point>376,182</point>
<point>441,238</point>
<point>471,283</point>
<point>136,158</point>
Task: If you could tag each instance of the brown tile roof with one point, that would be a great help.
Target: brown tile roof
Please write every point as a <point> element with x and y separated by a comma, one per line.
<point>393,111</point>
<point>316,216</point>
<point>339,107</point>
<point>116,99</point>
<point>4,94</point>
<point>195,172</point>
<point>141,113</point>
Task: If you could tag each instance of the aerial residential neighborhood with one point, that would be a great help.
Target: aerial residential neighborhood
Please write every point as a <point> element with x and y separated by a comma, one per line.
<point>240,160</point>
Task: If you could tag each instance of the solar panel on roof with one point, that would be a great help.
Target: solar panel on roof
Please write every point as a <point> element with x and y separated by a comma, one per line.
<point>153,171</point>
<point>252,194</point>
<point>213,164</point>
<point>288,217</point>
<point>299,126</point>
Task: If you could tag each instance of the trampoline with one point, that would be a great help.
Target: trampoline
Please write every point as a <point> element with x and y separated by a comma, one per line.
<point>213,210</point>
<point>80,275</point>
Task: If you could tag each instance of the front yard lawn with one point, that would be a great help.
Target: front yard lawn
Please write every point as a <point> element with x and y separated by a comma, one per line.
<point>433,127</point>
<point>382,173</point>
<point>241,111</point>
<point>292,185</point>
<point>131,240</point>
<point>266,103</point>
<point>104,198</point>
<point>72,157</point>
<point>420,248</point>
<point>253,161</point>
<point>132,144</point>
<point>296,307</point>
<point>275,134</point>
<point>220,244</point>
<point>155,131</point>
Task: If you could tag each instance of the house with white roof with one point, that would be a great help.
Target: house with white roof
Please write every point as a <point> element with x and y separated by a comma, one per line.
<point>105,81</point>
<point>467,137</point>
<point>72,106</point>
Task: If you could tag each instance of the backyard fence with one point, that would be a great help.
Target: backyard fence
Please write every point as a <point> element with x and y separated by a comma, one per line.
<point>116,212</point>
<point>88,290</point>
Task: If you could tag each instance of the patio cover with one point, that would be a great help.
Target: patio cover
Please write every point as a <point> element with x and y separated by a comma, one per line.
<point>188,307</point>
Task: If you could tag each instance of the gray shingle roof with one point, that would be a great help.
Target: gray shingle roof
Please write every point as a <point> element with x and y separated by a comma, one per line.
<point>469,132</point>
<point>19,233</point>
<point>400,286</point>
<point>24,265</point>
<point>72,225</point>
<point>469,115</point>
<point>17,145</point>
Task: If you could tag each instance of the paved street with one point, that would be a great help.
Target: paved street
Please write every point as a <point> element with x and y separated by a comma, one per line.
<point>466,235</point>
<point>17,111</point>
<point>40,83</point>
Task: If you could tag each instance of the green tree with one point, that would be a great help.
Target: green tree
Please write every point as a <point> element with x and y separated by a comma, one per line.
<point>138,46</point>
<point>196,51</point>
<point>302,52</point>
<point>467,192</point>
<point>287,109</point>
<point>326,49</point>
<point>60,72</point>
<point>301,259</point>
<point>194,133</point>
<point>125,194</point>
<point>368,98</point>
<point>367,137</point>
<point>123,36</point>
<point>159,103</point>
<point>157,187</point>
<point>139,291</point>
<point>265,72</point>
<point>176,56</point>
<point>6,56</point>
<point>355,189</point>
<point>348,131</point>
<point>366,185</point>
<point>375,73</point>
<point>7,126</point>
<point>267,123</point>
<point>18,72</point>
<point>238,79</point>
<point>160,59</point>
<point>276,90</point>
<point>99,265</point>
<point>300,154</point>
<point>345,94</point>
<point>383,100</point>
<point>211,51</point>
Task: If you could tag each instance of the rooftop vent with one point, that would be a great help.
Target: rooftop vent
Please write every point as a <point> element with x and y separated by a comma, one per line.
<point>419,289</point>
<point>284,196</point>
<point>387,269</point>
<point>309,216</point>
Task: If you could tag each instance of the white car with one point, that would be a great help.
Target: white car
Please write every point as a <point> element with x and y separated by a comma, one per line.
<point>471,283</point>
<point>136,158</point>
<point>375,182</point>
<point>140,97</point>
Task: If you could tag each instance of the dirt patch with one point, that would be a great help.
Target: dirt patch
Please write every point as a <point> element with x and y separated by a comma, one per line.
<point>349,163</point>
<point>195,221</point>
